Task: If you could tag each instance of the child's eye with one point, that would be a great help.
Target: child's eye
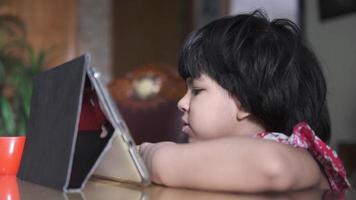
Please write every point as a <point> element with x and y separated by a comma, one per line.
<point>196,91</point>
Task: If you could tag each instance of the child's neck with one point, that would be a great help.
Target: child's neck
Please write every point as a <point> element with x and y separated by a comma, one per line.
<point>249,127</point>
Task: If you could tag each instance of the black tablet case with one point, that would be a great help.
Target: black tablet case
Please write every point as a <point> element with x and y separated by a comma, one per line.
<point>56,154</point>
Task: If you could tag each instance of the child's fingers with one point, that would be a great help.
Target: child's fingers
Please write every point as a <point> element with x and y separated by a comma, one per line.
<point>145,145</point>
<point>144,148</point>
<point>146,152</point>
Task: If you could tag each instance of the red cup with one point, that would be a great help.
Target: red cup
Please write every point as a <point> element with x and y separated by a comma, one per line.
<point>9,188</point>
<point>11,149</point>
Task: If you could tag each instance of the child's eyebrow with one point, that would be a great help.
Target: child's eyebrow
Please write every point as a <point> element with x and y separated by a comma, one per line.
<point>189,82</point>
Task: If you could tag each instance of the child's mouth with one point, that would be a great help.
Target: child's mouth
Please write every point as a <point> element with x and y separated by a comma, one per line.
<point>186,128</point>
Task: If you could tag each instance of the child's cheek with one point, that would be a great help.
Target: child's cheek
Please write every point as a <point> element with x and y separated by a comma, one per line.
<point>202,123</point>
<point>203,130</point>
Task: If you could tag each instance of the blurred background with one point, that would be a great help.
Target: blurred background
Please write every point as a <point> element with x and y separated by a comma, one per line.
<point>129,39</point>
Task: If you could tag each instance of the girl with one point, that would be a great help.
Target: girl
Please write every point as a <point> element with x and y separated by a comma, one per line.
<point>255,96</point>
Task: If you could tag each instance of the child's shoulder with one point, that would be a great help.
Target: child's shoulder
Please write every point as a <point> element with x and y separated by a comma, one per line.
<point>329,162</point>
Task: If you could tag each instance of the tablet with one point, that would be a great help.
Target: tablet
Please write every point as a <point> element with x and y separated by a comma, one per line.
<point>120,160</point>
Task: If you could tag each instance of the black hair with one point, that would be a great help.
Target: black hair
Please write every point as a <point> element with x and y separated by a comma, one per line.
<point>265,65</point>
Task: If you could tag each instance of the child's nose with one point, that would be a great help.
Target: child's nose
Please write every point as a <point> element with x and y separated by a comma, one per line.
<point>183,103</point>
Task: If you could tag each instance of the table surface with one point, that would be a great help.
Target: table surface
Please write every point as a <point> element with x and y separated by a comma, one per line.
<point>108,190</point>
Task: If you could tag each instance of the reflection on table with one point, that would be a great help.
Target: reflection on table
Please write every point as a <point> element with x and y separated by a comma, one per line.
<point>13,189</point>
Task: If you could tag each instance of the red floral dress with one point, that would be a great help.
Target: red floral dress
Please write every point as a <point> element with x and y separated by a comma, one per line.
<point>304,137</point>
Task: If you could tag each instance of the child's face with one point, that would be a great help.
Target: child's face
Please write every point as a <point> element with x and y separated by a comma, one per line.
<point>208,110</point>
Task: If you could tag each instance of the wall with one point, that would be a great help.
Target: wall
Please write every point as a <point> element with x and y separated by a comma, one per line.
<point>274,8</point>
<point>51,26</point>
<point>334,42</point>
<point>66,29</point>
<point>95,34</point>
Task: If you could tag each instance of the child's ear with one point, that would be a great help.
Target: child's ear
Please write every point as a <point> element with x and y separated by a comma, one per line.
<point>241,113</point>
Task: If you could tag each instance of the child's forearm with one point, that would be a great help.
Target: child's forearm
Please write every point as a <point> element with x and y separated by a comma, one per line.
<point>230,164</point>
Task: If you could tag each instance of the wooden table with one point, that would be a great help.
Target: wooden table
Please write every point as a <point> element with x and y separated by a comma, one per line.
<point>13,189</point>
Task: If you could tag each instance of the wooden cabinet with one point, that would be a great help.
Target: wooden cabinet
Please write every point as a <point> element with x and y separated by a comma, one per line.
<point>148,32</point>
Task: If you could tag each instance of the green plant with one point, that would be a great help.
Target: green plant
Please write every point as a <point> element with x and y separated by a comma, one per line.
<point>18,64</point>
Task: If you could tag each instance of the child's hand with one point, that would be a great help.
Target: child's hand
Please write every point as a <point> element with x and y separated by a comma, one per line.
<point>150,152</point>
